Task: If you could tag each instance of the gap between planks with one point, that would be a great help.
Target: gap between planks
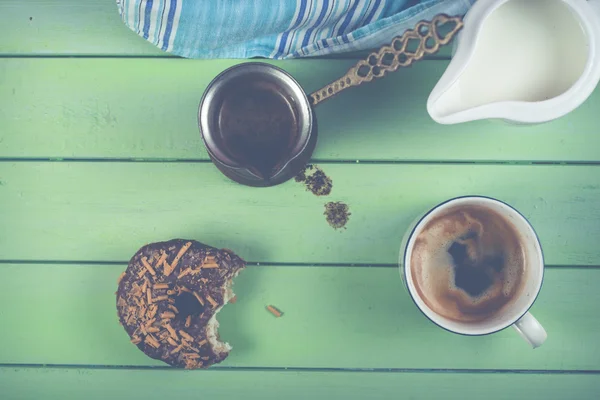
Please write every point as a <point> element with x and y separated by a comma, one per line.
<point>314,161</point>
<point>257,264</point>
<point>310,369</point>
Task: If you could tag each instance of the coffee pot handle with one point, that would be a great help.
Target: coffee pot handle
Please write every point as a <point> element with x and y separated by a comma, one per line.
<point>531,330</point>
<point>389,58</point>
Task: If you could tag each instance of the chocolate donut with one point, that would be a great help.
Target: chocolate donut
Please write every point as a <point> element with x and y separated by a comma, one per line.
<point>168,299</point>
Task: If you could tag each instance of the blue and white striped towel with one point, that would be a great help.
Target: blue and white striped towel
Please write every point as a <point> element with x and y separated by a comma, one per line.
<point>276,28</point>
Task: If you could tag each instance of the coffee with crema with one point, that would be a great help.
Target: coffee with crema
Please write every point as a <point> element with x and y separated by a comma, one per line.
<point>468,263</point>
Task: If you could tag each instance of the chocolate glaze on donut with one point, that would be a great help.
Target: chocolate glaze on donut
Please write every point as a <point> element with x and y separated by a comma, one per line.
<point>168,299</point>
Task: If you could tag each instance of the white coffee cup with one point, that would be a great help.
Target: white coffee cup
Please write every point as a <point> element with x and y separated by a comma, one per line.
<point>516,312</point>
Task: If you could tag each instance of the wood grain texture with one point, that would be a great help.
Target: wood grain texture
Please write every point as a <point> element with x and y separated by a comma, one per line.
<point>147,108</point>
<point>335,317</point>
<point>137,102</point>
<point>35,384</point>
<point>104,211</point>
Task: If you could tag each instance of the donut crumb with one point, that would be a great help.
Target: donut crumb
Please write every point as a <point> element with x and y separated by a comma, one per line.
<point>275,311</point>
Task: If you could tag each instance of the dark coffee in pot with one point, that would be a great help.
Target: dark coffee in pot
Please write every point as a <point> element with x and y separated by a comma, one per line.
<point>258,124</point>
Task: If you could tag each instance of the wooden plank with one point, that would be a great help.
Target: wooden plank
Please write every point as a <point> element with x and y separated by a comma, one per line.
<point>147,108</point>
<point>335,317</point>
<point>68,27</point>
<point>74,27</point>
<point>104,211</point>
<point>56,384</point>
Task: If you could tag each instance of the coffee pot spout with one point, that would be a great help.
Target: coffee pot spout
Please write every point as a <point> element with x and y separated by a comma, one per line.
<point>264,174</point>
<point>259,174</point>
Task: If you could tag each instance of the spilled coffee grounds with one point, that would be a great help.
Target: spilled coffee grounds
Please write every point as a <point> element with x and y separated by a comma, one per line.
<point>315,180</point>
<point>337,214</point>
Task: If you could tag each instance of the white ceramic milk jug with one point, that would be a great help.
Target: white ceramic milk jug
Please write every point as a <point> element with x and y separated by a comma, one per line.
<point>523,61</point>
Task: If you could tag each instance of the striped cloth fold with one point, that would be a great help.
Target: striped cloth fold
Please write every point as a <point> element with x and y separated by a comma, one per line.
<point>277,29</point>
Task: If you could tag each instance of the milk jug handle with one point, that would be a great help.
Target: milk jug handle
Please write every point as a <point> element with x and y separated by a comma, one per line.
<point>595,4</point>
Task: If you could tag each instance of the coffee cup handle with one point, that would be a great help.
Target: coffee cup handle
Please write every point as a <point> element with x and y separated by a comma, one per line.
<point>531,330</point>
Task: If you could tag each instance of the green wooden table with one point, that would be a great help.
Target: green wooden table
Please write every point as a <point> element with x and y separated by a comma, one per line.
<point>100,154</point>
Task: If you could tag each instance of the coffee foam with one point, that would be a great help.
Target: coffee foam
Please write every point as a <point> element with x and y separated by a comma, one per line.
<point>484,235</point>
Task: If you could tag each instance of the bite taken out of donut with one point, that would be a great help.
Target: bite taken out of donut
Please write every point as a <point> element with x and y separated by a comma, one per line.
<point>169,297</point>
